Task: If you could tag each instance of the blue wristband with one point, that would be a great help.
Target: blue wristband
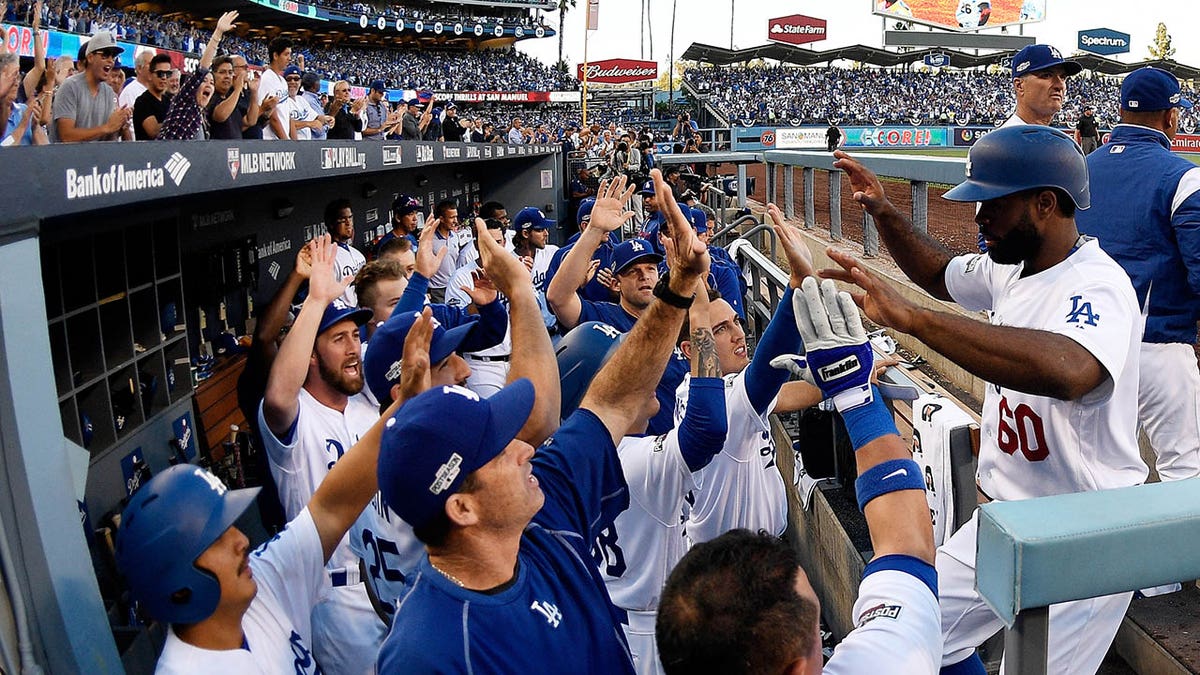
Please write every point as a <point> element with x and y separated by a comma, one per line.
<point>869,421</point>
<point>885,477</point>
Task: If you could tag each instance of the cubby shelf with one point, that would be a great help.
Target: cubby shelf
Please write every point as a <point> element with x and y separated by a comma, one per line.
<point>120,355</point>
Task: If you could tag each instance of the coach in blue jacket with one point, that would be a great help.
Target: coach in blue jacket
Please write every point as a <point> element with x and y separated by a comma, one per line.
<point>1146,214</point>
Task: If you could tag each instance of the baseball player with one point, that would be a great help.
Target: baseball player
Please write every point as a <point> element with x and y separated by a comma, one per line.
<point>405,213</point>
<point>972,14</point>
<point>1061,355</point>
<point>742,486</point>
<point>637,551</point>
<point>740,604</point>
<point>532,234</point>
<point>339,221</point>
<point>445,224</point>
<point>1146,214</point>
<point>489,367</point>
<point>596,289</point>
<point>505,585</point>
<point>310,415</point>
<point>232,610</point>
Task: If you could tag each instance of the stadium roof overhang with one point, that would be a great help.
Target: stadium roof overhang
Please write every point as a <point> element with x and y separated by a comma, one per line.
<point>267,22</point>
<point>720,56</point>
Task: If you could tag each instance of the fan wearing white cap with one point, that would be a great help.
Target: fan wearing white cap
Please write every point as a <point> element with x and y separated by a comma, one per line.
<point>85,107</point>
<point>1146,214</point>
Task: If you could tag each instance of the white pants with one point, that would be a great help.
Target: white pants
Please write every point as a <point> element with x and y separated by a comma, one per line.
<point>640,635</point>
<point>487,377</point>
<point>1169,407</point>
<point>1080,631</point>
<point>347,633</point>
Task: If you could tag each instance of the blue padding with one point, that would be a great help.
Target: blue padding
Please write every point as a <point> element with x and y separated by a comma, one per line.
<point>1125,539</point>
<point>972,665</point>
<point>869,421</point>
<point>909,565</point>
<point>889,476</point>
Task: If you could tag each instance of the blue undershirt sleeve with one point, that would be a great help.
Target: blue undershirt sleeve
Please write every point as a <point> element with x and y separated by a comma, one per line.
<point>781,337</point>
<point>705,423</point>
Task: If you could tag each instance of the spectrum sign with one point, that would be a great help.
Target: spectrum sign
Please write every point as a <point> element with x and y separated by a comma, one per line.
<point>1104,41</point>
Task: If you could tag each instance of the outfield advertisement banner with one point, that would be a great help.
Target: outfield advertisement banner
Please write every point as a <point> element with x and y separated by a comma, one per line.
<point>813,137</point>
<point>894,137</point>
<point>800,138</point>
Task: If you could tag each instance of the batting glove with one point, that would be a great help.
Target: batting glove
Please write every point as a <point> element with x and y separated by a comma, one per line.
<point>839,359</point>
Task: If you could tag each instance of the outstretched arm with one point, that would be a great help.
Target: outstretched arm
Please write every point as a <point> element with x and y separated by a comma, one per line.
<point>620,389</point>
<point>922,257</point>
<point>271,321</point>
<point>281,404</point>
<point>224,25</point>
<point>1033,361</point>
<point>705,423</point>
<point>532,354</point>
<point>352,482</point>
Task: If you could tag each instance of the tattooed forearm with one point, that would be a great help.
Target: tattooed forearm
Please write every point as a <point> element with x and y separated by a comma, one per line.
<point>704,350</point>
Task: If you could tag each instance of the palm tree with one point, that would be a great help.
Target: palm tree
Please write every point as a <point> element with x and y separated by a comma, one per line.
<point>563,7</point>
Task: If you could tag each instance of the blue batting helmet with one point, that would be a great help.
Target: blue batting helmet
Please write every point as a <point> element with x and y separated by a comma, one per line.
<point>168,523</point>
<point>1013,159</point>
<point>581,354</point>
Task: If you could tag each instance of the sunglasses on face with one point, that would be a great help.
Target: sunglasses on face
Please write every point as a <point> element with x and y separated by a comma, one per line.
<point>292,79</point>
<point>162,74</point>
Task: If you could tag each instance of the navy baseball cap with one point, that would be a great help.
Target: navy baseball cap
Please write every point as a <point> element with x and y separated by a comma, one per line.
<point>292,70</point>
<point>439,438</point>
<point>584,215</point>
<point>1040,57</point>
<point>699,220</point>
<point>1149,89</point>
<point>339,311</point>
<point>385,351</point>
<point>414,102</point>
<point>647,188</point>
<point>404,205</point>
<point>532,218</point>
<point>629,253</point>
<point>377,85</point>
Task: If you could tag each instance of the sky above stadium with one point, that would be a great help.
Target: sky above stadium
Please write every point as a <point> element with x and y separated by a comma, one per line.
<point>850,22</point>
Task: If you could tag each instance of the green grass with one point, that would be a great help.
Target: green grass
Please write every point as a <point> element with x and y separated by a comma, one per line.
<point>962,152</point>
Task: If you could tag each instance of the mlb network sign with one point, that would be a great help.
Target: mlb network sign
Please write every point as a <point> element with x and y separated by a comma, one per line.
<point>1103,41</point>
<point>796,29</point>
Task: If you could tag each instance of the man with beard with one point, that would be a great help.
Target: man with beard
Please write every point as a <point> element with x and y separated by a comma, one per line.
<point>311,414</point>
<point>339,221</point>
<point>1061,357</point>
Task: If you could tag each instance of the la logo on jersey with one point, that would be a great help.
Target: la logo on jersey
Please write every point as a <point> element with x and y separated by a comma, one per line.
<point>1082,311</point>
<point>553,616</point>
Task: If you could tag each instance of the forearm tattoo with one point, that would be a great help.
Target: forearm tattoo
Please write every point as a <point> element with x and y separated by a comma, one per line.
<point>705,349</point>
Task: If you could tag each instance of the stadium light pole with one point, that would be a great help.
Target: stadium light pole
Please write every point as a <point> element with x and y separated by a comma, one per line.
<point>731,24</point>
<point>670,62</point>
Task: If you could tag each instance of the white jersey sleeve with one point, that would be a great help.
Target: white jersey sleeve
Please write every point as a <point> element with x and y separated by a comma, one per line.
<point>348,262</point>
<point>898,628</point>
<point>742,486</point>
<point>969,279</point>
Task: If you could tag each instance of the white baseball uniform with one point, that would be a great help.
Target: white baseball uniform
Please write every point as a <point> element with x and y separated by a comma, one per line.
<point>290,575</point>
<point>389,550</point>
<point>1034,446</point>
<point>489,367</point>
<point>541,264</point>
<point>742,486</point>
<point>347,262</point>
<point>344,624</point>
<point>896,628</point>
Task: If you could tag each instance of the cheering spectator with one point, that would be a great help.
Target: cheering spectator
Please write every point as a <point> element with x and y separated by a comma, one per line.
<point>346,116</point>
<point>186,119</point>
<point>273,86</point>
<point>85,108</point>
<point>150,109</point>
<point>378,113</point>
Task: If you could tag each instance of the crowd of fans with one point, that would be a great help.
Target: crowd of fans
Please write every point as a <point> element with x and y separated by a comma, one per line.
<point>869,96</point>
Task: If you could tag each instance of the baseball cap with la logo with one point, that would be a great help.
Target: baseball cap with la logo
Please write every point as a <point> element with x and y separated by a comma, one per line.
<point>632,252</point>
<point>1040,57</point>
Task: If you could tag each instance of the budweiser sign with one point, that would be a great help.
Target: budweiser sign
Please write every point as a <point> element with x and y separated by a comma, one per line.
<point>796,29</point>
<point>619,71</point>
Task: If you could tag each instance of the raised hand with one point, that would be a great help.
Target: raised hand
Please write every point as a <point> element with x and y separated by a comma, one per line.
<point>304,260</point>
<point>504,269</point>
<point>322,286</point>
<point>868,191</point>
<point>839,357</point>
<point>609,212</point>
<point>225,24</point>
<point>880,302</point>
<point>798,256</point>
<point>429,262</point>
<point>415,375</point>
<point>688,254</point>
<point>604,277</point>
<point>482,291</point>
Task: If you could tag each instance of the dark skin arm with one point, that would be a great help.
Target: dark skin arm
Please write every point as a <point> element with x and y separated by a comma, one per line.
<point>1031,361</point>
<point>272,318</point>
<point>922,258</point>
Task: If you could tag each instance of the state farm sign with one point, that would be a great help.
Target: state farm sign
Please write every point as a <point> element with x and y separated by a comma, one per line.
<point>619,71</point>
<point>796,29</point>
